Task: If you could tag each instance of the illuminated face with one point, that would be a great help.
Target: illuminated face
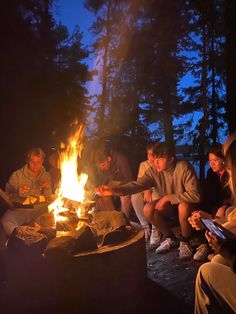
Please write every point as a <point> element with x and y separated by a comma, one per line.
<point>162,163</point>
<point>150,156</point>
<point>35,164</point>
<point>105,165</point>
<point>216,163</point>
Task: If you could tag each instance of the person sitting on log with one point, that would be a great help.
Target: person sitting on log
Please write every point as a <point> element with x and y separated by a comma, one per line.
<point>27,185</point>
<point>178,187</point>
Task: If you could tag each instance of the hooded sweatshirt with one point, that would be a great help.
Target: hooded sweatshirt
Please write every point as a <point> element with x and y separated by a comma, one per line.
<point>179,181</point>
<point>22,177</point>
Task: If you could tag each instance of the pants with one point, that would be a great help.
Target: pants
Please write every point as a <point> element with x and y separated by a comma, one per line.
<point>215,289</point>
<point>20,216</point>
<point>138,205</point>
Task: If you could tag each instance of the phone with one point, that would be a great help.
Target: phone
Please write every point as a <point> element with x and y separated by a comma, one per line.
<point>216,228</point>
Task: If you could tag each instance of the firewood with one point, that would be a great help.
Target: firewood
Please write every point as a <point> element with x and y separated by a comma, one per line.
<point>85,240</point>
<point>27,239</point>
<point>50,233</point>
<point>61,247</point>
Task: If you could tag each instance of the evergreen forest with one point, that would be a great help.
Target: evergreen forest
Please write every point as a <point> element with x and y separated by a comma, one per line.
<point>166,69</point>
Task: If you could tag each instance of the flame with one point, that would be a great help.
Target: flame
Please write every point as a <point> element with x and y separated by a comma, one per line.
<point>72,185</point>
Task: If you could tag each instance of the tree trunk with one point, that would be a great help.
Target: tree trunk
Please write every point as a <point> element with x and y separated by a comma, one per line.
<point>230,14</point>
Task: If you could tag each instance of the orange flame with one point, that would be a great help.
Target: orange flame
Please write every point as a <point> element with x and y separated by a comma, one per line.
<point>71,185</point>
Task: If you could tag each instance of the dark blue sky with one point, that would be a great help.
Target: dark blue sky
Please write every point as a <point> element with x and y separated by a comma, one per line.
<point>71,13</point>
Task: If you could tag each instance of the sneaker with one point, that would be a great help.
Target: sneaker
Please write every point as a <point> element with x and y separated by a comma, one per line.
<point>155,238</point>
<point>201,252</point>
<point>185,251</point>
<point>166,245</point>
<point>147,232</point>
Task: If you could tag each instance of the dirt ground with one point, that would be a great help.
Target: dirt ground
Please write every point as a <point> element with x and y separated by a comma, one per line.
<point>171,283</point>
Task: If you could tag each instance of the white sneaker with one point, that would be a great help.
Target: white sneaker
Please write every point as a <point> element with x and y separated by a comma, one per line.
<point>155,238</point>
<point>147,232</point>
<point>166,245</point>
<point>185,251</point>
<point>201,252</point>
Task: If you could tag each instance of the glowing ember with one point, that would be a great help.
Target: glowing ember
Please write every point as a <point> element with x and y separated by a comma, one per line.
<point>72,185</point>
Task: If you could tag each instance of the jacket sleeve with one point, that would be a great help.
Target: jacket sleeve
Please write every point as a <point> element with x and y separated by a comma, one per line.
<point>12,185</point>
<point>228,251</point>
<point>141,184</point>
<point>191,188</point>
<point>48,178</point>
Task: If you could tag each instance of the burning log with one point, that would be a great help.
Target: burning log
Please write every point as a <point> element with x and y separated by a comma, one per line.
<point>86,240</point>
<point>68,243</point>
<point>117,236</point>
<point>107,221</point>
<point>26,239</point>
<point>49,232</point>
<point>60,247</point>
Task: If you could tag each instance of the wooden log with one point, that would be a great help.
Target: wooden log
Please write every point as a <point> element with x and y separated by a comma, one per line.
<point>85,240</point>
<point>60,247</point>
<point>27,240</point>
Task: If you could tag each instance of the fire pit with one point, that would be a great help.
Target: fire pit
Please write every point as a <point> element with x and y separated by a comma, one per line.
<point>109,279</point>
<point>70,268</point>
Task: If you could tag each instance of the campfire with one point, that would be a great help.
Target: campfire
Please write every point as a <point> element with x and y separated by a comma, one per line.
<point>71,191</point>
<point>72,224</point>
<point>75,258</point>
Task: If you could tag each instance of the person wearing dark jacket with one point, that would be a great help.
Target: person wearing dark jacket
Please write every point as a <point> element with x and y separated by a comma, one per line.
<point>114,169</point>
<point>215,290</point>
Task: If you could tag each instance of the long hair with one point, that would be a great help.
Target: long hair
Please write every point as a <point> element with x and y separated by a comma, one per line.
<point>230,164</point>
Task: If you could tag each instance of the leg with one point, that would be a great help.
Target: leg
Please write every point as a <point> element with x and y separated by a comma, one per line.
<point>185,210</point>
<point>19,216</point>
<point>138,205</point>
<point>215,289</point>
<point>126,204</point>
<point>154,214</point>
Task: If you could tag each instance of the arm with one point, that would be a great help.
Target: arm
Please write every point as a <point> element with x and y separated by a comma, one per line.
<point>190,185</point>
<point>128,188</point>
<point>144,165</point>
<point>46,184</point>
<point>226,248</point>
<point>13,188</point>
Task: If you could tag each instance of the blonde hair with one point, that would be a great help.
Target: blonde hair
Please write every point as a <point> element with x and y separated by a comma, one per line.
<point>35,151</point>
<point>229,150</point>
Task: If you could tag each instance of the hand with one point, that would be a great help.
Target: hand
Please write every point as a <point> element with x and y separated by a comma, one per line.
<point>214,242</point>
<point>147,196</point>
<point>195,221</point>
<point>23,190</point>
<point>104,190</point>
<point>162,202</point>
<point>45,185</point>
